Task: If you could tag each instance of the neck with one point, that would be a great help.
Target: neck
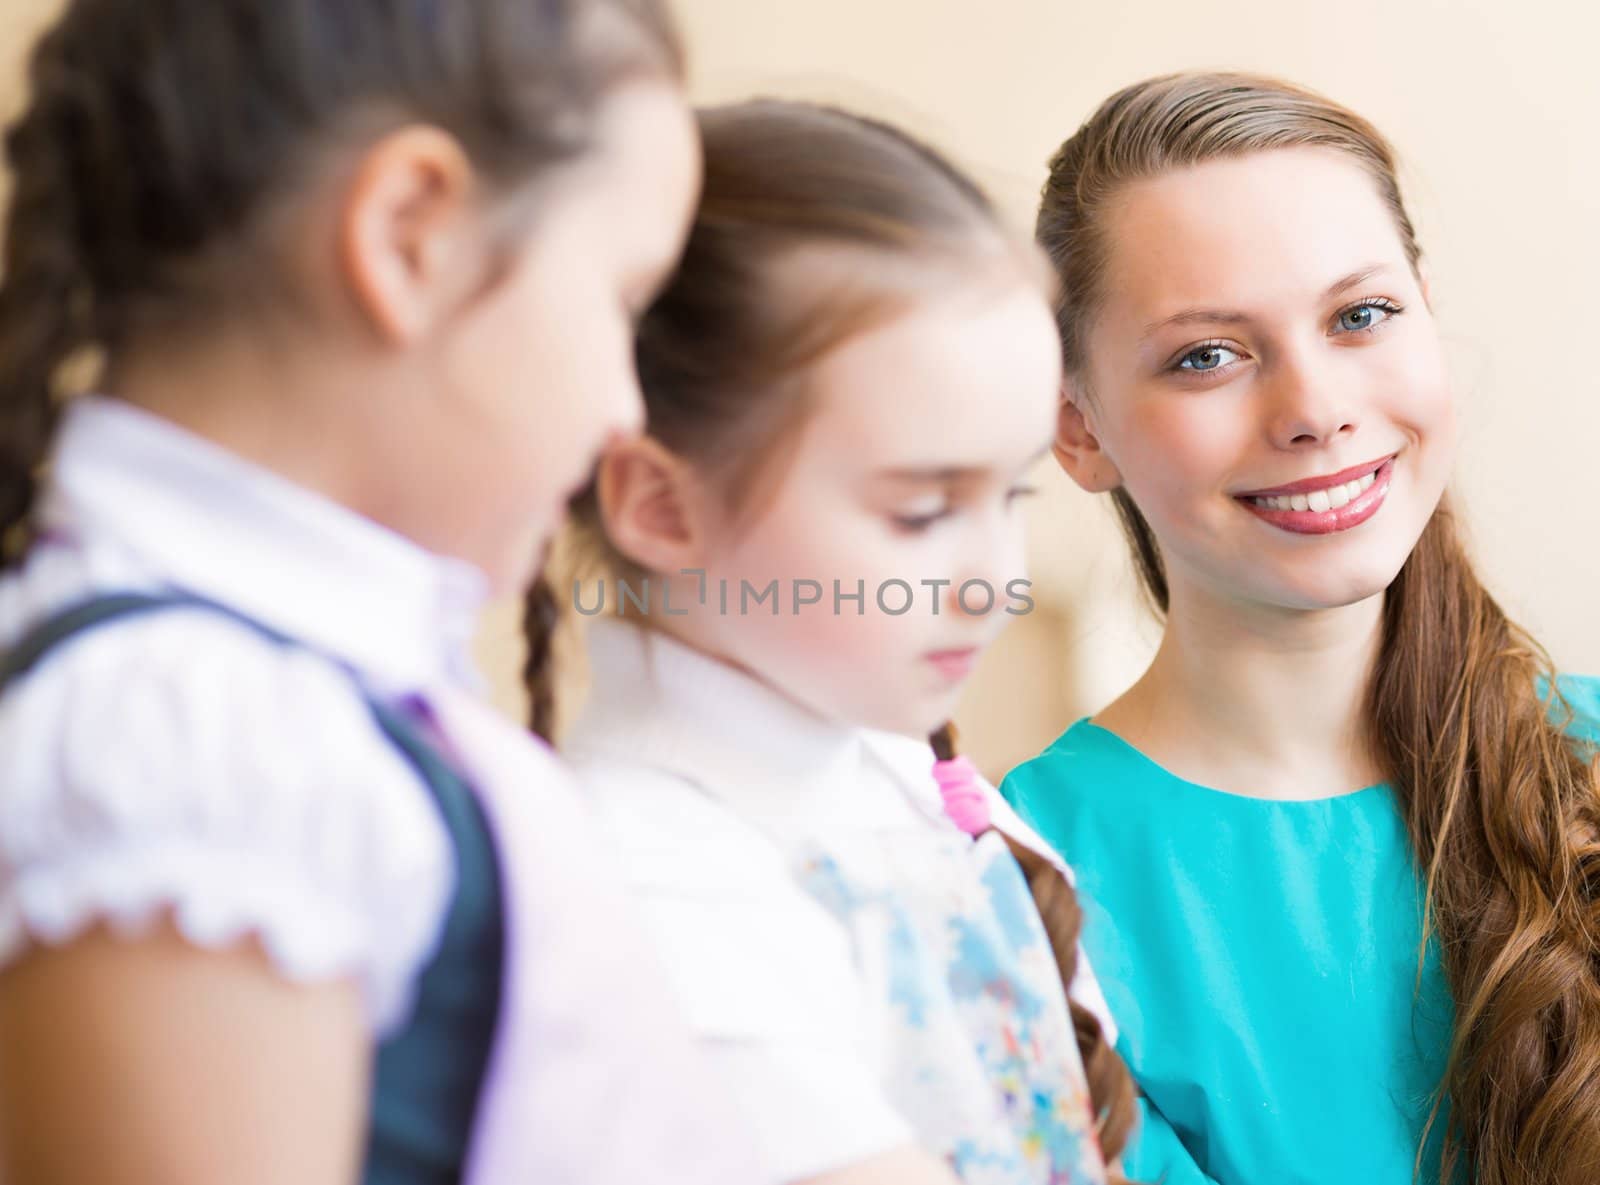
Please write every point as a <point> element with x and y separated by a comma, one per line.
<point>1261,701</point>
<point>340,422</point>
<point>257,398</point>
<point>695,628</point>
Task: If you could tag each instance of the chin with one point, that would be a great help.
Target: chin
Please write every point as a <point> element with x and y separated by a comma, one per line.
<point>1335,590</point>
<point>918,718</point>
<point>907,719</point>
<point>521,562</point>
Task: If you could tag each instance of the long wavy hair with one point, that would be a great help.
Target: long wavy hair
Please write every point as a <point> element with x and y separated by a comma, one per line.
<point>1502,810</point>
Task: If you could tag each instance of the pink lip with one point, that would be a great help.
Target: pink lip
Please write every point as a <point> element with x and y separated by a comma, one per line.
<point>954,664</point>
<point>1310,484</point>
<point>1327,522</point>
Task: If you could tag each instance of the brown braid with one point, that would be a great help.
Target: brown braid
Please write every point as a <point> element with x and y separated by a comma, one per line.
<point>541,613</point>
<point>44,316</point>
<point>1110,1085</point>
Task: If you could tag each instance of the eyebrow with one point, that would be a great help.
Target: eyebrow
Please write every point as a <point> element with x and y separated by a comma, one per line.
<point>948,474</point>
<point>1234,317</point>
<point>1357,277</point>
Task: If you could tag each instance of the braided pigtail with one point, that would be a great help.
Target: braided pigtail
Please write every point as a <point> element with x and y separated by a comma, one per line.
<point>45,308</point>
<point>541,614</point>
<point>1111,1089</point>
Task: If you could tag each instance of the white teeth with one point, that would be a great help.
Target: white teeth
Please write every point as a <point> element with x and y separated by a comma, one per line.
<point>1320,501</point>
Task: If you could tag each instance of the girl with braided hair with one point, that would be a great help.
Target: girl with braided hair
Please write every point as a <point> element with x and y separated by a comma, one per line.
<point>281,899</point>
<point>846,383</point>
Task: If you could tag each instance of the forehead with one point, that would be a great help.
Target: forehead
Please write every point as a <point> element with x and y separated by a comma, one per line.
<point>959,379</point>
<point>1247,233</point>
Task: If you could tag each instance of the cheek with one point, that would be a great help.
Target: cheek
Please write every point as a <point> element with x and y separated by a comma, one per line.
<point>1178,450</point>
<point>827,544</point>
<point>1420,398</point>
<point>549,349</point>
<point>807,532</point>
<point>566,354</point>
<point>535,388</point>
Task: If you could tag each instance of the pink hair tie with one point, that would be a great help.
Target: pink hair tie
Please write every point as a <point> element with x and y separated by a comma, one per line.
<point>964,800</point>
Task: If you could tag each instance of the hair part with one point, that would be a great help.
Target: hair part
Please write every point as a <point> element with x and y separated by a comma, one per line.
<point>1502,810</point>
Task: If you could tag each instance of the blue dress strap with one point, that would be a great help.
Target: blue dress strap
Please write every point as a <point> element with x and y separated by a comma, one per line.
<point>428,1075</point>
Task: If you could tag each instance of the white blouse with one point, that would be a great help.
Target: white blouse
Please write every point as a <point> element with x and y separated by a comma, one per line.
<point>180,764</point>
<point>735,809</point>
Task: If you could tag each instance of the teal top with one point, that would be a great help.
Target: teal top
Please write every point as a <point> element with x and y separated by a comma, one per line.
<point>1263,961</point>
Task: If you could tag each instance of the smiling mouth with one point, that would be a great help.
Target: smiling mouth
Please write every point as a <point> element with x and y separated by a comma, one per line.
<point>1324,505</point>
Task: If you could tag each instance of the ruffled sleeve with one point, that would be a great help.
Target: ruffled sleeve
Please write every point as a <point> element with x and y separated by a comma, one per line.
<point>182,767</point>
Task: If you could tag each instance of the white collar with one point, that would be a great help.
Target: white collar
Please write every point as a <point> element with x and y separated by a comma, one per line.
<point>656,702</point>
<point>202,518</point>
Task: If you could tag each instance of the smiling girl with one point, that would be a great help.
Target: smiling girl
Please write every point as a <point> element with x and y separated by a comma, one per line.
<point>1340,837</point>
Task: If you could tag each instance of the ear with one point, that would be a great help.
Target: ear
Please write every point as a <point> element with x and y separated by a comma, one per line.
<point>409,238</point>
<point>1077,449</point>
<point>651,506</point>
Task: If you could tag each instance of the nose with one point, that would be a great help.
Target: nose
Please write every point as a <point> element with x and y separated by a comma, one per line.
<point>1309,405</point>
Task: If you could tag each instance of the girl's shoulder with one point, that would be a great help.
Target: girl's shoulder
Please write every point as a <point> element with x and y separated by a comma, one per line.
<point>178,765</point>
<point>722,896</point>
<point>765,975</point>
<point>673,837</point>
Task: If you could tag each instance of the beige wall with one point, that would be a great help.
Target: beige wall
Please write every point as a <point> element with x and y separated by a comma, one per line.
<point>1495,109</point>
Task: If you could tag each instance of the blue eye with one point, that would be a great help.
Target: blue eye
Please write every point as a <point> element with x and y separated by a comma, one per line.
<point>1211,356</point>
<point>1367,315</point>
